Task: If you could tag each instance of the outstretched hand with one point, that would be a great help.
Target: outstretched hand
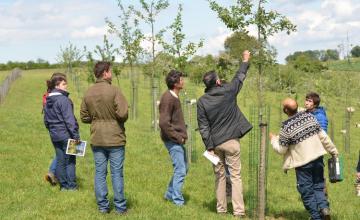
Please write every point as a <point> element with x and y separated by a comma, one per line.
<point>271,135</point>
<point>246,56</point>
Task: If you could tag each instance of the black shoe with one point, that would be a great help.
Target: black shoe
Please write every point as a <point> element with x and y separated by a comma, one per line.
<point>325,213</point>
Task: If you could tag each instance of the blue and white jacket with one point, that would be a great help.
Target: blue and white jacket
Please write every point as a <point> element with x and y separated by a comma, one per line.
<point>59,116</point>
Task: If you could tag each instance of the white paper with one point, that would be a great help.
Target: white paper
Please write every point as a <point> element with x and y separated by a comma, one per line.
<point>213,158</point>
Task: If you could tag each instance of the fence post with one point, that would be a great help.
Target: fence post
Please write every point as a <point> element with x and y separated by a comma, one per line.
<point>262,172</point>
<point>5,86</point>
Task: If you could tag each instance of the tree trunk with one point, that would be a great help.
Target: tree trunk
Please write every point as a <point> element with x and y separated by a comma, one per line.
<point>262,173</point>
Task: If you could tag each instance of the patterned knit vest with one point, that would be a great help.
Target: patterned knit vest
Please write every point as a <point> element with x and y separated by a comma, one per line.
<point>298,128</point>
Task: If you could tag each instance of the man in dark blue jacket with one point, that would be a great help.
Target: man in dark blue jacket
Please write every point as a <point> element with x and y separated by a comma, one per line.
<point>221,124</point>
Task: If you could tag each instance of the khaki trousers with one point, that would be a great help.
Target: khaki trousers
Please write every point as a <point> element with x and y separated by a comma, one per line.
<point>229,153</point>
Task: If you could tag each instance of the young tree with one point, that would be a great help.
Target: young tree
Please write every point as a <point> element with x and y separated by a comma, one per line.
<point>69,56</point>
<point>177,48</point>
<point>244,13</point>
<point>90,68</point>
<point>238,18</point>
<point>130,36</point>
<point>107,52</point>
<point>148,13</point>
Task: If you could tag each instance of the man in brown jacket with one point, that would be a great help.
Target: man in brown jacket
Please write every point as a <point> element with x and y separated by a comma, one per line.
<point>105,107</point>
<point>173,133</point>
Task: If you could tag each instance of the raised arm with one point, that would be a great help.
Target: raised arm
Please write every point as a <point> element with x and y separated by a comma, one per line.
<point>239,77</point>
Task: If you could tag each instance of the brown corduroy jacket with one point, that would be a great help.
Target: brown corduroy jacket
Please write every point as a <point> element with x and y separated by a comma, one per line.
<point>171,119</point>
<point>105,107</point>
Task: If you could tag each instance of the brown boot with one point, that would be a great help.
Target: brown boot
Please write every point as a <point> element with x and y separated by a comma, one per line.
<point>50,177</point>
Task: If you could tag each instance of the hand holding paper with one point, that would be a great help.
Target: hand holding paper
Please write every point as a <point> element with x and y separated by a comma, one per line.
<point>212,157</point>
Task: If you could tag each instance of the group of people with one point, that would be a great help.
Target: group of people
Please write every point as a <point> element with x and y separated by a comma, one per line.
<point>302,140</point>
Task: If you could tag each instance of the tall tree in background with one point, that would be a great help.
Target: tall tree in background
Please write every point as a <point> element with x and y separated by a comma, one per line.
<point>238,42</point>
<point>148,13</point>
<point>177,48</point>
<point>130,36</point>
<point>355,51</point>
<point>238,18</point>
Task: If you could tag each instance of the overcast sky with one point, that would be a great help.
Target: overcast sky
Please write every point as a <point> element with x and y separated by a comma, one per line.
<point>32,29</point>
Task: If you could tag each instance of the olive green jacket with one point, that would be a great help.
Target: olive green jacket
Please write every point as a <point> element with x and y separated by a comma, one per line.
<point>105,107</point>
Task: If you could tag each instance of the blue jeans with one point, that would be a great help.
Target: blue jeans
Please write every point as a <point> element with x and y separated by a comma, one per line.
<point>52,167</point>
<point>65,166</point>
<point>116,156</point>
<point>178,157</point>
<point>310,184</point>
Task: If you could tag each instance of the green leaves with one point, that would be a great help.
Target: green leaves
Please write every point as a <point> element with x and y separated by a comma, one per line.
<point>237,17</point>
<point>177,48</point>
<point>128,32</point>
<point>243,14</point>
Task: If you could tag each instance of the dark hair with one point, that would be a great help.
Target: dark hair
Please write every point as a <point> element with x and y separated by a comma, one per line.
<point>210,78</point>
<point>55,80</point>
<point>314,97</point>
<point>100,68</point>
<point>172,78</point>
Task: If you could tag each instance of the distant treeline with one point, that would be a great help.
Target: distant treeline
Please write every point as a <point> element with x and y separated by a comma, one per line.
<point>320,55</point>
<point>38,64</point>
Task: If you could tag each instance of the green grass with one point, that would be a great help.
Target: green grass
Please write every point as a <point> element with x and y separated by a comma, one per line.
<point>26,152</point>
<point>344,65</point>
<point>3,75</point>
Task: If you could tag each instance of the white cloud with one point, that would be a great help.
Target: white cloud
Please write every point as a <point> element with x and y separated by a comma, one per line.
<point>320,25</point>
<point>89,32</point>
<point>215,43</point>
<point>33,20</point>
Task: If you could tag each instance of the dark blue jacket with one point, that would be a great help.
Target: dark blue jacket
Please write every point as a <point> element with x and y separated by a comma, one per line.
<point>59,116</point>
<point>320,116</point>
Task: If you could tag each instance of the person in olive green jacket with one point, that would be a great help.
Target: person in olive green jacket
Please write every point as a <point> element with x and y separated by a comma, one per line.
<point>105,107</point>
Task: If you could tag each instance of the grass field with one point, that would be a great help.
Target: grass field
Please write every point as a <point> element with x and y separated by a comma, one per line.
<point>344,65</point>
<point>26,152</point>
<point>3,75</point>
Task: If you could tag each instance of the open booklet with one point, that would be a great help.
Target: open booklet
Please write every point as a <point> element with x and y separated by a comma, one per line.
<point>76,149</point>
<point>213,158</point>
